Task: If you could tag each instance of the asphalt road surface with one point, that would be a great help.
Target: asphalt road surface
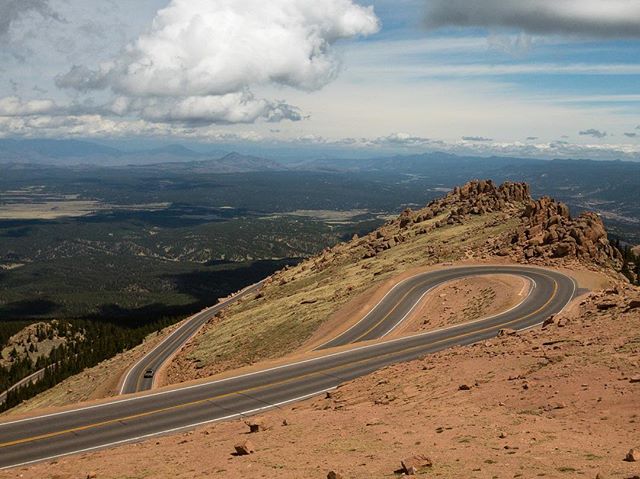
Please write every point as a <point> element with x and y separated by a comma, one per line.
<point>139,417</point>
<point>134,380</point>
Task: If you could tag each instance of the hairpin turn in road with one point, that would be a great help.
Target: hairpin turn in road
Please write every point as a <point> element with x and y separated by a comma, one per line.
<point>135,418</point>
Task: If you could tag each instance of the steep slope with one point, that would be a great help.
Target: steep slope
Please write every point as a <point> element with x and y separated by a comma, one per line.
<point>478,222</point>
<point>302,306</point>
<point>558,401</point>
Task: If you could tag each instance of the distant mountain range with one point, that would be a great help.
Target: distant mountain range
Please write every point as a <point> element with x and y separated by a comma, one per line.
<point>609,187</point>
<point>74,152</point>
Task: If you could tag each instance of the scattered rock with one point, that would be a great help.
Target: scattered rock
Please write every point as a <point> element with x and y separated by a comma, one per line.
<point>414,464</point>
<point>635,379</point>
<point>92,475</point>
<point>257,425</point>
<point>334,475</point>
<point>464,387</point>
<point>245,448</point>
<point>632,456</point>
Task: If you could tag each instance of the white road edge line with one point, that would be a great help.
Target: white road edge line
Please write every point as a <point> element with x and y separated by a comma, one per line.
<point>369,312</point>
<point>415,305</point>
<point>391,290</point>
<point>575,286</point>
<point>186,323</point>
<point>169,431</point>
<point>218,381</point>
<point>533,286</point>
<point>573,293</point>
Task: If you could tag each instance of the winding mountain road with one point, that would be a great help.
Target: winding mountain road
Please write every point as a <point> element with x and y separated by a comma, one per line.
<point>135,380</point>
<point>138,417</point>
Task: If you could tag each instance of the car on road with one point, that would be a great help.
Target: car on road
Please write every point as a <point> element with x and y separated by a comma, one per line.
<point>148,373</point>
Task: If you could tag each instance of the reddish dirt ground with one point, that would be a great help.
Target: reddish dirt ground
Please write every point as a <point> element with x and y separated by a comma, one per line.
<point>563,401</point>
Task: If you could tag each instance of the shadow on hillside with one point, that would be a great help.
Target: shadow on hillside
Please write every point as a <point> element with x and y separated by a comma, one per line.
<point>27,309</point>
<point>204,286</point>
<point>22,232</point>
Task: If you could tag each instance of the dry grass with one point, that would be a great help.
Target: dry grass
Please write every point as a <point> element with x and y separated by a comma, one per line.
<point>298,301</point>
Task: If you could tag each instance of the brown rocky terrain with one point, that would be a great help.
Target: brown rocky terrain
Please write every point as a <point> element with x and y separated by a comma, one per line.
<point>558,401</point>
<point>561,401</point>
<point>476,223</point>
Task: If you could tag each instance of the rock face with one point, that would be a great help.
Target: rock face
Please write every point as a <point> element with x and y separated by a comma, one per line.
<point>482,196</point>
<point>548,231</point>
<point>477,197</point>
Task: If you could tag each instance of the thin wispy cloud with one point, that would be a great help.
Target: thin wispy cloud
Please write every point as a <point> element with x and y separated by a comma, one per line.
<point>510,69</point>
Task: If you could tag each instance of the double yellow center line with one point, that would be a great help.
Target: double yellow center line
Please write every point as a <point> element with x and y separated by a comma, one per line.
<point>270,385</point>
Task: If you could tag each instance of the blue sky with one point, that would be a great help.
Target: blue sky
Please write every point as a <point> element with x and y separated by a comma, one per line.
<point>536,78</point>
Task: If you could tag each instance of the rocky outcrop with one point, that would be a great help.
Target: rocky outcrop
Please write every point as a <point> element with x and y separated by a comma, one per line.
<point>548,231</point>
<point>38,340</point>
<point>477,197</point>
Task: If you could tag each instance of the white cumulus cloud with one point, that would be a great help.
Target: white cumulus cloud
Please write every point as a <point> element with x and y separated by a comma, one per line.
<point>200,58</point>
<point>592,18</point>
